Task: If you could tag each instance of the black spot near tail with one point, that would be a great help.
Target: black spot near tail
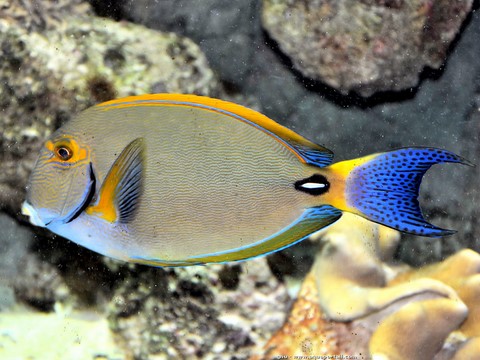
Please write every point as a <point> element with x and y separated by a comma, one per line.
<point>314,185</point>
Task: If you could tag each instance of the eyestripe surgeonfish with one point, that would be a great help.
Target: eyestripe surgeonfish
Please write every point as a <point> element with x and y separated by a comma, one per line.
<point>174,180</point>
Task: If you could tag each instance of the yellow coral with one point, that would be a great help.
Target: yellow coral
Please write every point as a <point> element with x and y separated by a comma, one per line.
<point>417,331</point>
<point>350,275</point>
<point>371,307</point>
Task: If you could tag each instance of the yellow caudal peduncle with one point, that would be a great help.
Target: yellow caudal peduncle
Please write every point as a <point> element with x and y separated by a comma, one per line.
<point>337,174</point>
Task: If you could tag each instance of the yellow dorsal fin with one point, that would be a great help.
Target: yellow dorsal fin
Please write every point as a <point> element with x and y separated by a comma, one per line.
<point>306,150</point>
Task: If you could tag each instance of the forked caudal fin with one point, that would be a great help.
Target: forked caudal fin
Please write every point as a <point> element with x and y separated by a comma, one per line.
<point>384,187</point>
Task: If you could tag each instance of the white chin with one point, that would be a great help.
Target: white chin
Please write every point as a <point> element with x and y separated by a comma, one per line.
<point>29,211</point>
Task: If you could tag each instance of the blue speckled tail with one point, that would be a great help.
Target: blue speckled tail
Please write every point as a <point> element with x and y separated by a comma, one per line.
<point>385,188</point>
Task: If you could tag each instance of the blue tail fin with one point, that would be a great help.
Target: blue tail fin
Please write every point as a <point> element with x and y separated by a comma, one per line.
<point>384,187</point>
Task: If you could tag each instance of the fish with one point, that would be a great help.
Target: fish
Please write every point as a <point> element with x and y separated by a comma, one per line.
<point>177,180</point>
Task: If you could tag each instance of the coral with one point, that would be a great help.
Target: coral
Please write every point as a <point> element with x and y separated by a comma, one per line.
<point>350,263</point>
<point>308,332</point>
<point>469,350</point>
<point>424,325</point>
<point>462,273</point>
<point>354,303</point>
<point>365,46</point>
<point>63,60</point>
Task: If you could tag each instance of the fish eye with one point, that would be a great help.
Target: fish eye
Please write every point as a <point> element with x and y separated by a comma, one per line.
<point>63,152</point>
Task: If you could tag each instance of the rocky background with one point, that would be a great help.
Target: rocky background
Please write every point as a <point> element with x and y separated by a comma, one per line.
<point>355,76</point>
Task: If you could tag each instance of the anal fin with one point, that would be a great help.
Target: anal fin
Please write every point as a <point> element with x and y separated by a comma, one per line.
<point>312,220</point>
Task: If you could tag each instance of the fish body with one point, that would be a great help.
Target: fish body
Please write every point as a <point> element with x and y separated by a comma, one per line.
<point>172,179</point>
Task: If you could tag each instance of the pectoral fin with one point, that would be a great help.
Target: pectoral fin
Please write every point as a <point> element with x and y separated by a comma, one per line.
<point>120,192</point>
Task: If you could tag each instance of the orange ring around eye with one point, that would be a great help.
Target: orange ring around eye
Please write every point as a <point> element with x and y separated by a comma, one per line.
<point>68,150</point>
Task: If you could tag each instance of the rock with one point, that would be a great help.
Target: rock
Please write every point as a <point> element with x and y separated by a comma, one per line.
<point>36,16</point>
<point>23,276</point>
<point>211,312</point>
<point>307,332</point>
<point>15,241</point>
<point>226,31</point>
<point>40,284</point>
<point>365,46</point>
<point>7,298</point>
<point>207,312</point>
<point>65,60</point>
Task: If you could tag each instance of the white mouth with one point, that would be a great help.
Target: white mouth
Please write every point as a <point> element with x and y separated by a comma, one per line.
<point>29,211</point>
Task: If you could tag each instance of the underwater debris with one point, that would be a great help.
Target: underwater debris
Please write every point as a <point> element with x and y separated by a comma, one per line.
<point>423,313</point>
<point>365,46</point>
